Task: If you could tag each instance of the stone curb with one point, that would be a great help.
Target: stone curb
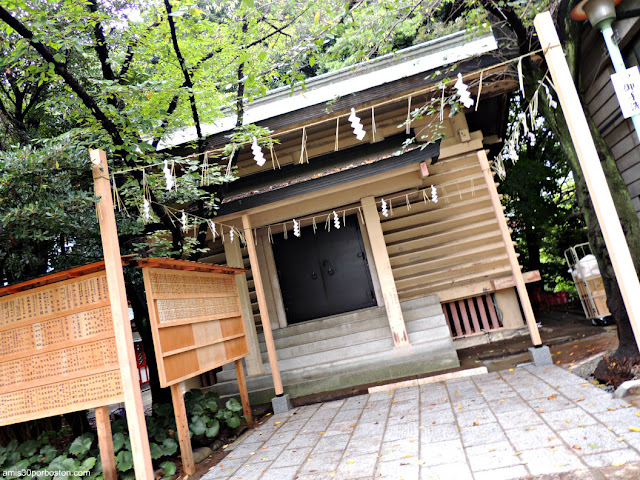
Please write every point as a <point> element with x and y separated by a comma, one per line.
<point>425,381</point>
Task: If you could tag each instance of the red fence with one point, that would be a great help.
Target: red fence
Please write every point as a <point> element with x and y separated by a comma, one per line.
<point>471,315</point>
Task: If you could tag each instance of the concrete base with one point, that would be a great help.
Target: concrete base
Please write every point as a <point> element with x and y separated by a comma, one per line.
<point>281,404</point>
<point>541,356</point>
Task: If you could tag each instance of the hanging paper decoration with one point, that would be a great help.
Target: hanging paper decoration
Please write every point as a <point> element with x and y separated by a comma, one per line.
<point>463,91</point>
<point>257,153</point>
<point>231,234</point>
<point>212,227</point>
<point>336,220</point>
<point>434,194</point>
<point>183,221</point>
<point>296,228</point>
<point>358,131</point>
<point>383,208</point>
<point>552,102</point>
<point>146,210</point>
<point>168,176</point>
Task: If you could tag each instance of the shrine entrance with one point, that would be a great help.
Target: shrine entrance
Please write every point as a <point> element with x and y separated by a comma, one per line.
<point>324,272</point>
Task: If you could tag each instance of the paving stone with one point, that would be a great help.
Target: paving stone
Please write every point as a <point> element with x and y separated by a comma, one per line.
<point>506,473</point>
<point>518,418</point>
<point>535,436</point>
<point>287,473</point>
<point>568,418</point>
<point>266,453</point>
<point>449,471</point>
<point>491,456</point>
<point>347,415</point>
<point>482,434</point>
<point>542,461</point>
<point>369,430</point>
<point>400,431</point>
<point>357,447</point>
<point>591,439</point>
<point>474,417</point>
<point>616,457</point>
<point>331,405</point>
<point>305,440</point>
<point>620,419</point>
<point>475,403</point>
<point>317,424</point>
<point>330,444</point>
<point>406,393</point>
<point>552,403</point>
<point>380,396</point>
<point>321,463</point>
<point>398,450</point>
<point>292,457</point>
<point>357,467</point>
<point>336,428</point>
<point>428,417</point>
<point>438,453</point>
<point>509,404</point>
<point>281,436</point>
<point>293,424</point>
<point>397,469</point>
<point>439,433</point>
<point>359,401</point>
<point>251,472</point>
<point>244,449</point>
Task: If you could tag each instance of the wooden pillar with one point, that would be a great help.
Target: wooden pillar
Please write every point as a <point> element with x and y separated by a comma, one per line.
<point>120,314</point>
<point>233,253</point>
<point>244,393</point>
<point>385,274</point>
<point>511,252</point>
<point>262,305</point>
<point>182,427</point>
<point>105,443</point>
<point>599,192</point>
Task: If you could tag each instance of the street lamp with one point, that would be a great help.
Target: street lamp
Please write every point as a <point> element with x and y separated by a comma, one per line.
<point>601,14</point>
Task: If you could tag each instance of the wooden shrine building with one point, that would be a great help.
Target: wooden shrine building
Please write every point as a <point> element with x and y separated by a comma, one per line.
<point>363,271</point>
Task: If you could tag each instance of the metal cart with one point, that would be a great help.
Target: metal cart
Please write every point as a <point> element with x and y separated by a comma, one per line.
<point>586,275</point>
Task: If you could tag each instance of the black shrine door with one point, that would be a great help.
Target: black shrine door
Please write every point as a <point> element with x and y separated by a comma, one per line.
<point>325,273</point>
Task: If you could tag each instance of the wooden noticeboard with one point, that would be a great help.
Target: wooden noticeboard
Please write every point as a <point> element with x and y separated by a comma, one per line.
<point>57,347</point>
<point>196,317</point>
<point>197,325</point>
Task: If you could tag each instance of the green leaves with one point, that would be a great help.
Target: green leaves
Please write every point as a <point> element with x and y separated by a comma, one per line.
<point>233,405</point>
<point>81,445</point>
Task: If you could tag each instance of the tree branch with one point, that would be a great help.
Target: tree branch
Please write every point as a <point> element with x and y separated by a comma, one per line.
<point>185,72</point>
<point>101,44</point>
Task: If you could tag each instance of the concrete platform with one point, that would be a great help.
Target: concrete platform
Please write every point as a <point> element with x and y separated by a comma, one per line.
<point>520,423</point>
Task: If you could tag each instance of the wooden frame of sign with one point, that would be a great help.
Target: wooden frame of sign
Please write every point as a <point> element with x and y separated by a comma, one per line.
<point>58,352</point>
<point>197,325</point>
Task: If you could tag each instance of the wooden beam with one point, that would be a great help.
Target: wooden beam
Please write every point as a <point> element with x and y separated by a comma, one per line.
<point>511,252</point>
<point>592,169</point>
<point>262,305</point>
<point>385,274</point>
<point>509,282</point>
<point>182,427</point>
<point>105,442</point>
<point>233,254</point>
<point>120,313</point>
<point>244,393</point>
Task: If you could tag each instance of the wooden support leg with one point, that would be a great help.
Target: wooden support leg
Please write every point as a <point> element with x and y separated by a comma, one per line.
<point>182,426</point>
<point>244,393</point>
<point>105,442</point>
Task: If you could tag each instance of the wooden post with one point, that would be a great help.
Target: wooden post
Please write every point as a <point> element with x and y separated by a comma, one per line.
<point>105,442</point>
<point>182,427</point>
<point>599,192</point>
<point>244,394</point>
<point>262,305</point>
<point>511,252</point>
<point>121,324</point>
<point>233,253</point>
<point>385,274</point>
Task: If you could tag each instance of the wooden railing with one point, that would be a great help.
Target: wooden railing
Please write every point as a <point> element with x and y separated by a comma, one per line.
<point>471,316</point>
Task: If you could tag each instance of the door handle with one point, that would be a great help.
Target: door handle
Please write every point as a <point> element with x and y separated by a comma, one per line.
<point>314,276</point>
<point>326,264</point>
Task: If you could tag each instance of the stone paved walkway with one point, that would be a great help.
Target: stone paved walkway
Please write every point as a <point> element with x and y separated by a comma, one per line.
<point>511,424</point>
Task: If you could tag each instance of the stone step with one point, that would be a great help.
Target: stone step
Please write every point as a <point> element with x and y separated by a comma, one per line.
<point>437,355</point>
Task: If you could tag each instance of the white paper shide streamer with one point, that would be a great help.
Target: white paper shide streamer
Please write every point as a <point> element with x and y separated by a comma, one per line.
<point>358,131</point>
<point>231,234</point>
<point>463,91</point>
<point>183,221</point>
<point>168,176</point>
<point>146,210</point>
<point>296,228</point>
<point>336,220</point>
<point>383,208</point>
<point>257,153</point>
<point>434,194</point>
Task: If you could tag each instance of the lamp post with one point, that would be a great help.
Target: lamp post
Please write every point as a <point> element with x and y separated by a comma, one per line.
<point>601,14</point>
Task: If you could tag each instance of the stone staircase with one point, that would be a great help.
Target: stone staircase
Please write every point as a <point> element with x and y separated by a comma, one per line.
<point>350,349</point>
